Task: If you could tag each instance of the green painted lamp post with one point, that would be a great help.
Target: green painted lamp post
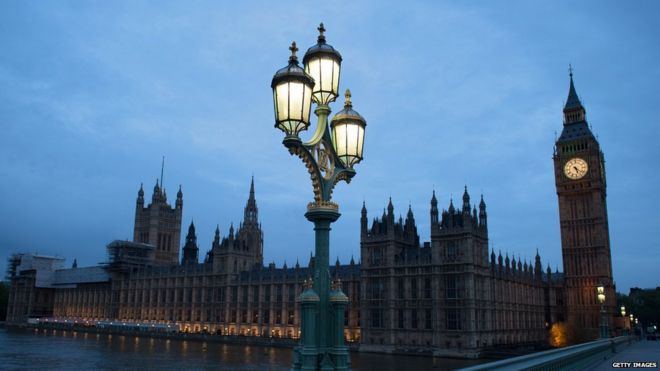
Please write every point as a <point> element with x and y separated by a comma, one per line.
<point>329,157</point>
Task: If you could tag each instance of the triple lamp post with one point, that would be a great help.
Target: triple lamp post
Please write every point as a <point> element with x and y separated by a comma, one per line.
<point>329,157</point>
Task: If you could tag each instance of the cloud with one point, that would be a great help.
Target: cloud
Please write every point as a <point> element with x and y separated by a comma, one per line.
<point>94,94</point>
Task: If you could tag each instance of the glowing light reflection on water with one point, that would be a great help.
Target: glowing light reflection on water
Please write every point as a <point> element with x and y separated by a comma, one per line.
<point>64,350</point>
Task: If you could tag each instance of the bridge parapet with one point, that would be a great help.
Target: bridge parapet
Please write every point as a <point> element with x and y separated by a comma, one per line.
<point>576,357</point>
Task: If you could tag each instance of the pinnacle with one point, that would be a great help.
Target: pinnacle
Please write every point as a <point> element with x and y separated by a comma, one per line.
<point>573,101</point>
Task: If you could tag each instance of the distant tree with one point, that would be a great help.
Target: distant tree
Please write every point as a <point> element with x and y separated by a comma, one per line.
<point>643,304</point>
<point>4,298</point>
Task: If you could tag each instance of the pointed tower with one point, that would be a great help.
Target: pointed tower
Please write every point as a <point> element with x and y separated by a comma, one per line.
<point>250,234</point>
<point>466,202</point>
<point>581,191</point>
<point>190,249</point>
<point>179,198</point>
<point>215,248</point>
<point>140,197</point>
<point>159,224</point>
<point>483,221</point>
<point>410,228</point>
<point>157,195</point>
<point>538,268</point>
<point>251,214</point>
<point>452,213</point>
<point>242,249</point>
<point>410,218</point>
<point>216,238</point>
<point>434,212</point>
<point>574,112</point>
<point>390,216</point>
<point>363,221</point>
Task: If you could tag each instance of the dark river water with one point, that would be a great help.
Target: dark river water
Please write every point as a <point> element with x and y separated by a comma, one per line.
<point>23,349</point>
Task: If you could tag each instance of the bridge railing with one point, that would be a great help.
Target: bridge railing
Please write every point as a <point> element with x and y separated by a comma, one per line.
<point>576,357</point>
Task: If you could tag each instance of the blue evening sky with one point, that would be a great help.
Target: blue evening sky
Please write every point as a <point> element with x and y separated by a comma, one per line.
<point>92,94</point>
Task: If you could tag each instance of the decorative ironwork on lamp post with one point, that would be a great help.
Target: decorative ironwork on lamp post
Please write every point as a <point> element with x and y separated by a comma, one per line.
<point>329,157</point>
<point>604,328</point>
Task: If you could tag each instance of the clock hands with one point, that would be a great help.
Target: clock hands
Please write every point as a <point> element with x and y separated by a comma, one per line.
<point>575,168</point>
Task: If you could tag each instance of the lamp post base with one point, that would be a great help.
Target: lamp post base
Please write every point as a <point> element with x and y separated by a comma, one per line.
<point>322,347</point>
<point>604,328</point>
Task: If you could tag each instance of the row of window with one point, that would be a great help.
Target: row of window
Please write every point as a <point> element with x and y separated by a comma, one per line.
<point>377,288</point>
<point>422,319</point>
<point>189,295</point>
<point>570,148</point>
<point>416,319</point>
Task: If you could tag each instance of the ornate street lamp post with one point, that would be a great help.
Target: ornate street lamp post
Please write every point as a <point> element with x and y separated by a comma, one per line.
<point>329,157</point>
<point>632,322</point>
<point>604,331</point>
<point>623,316</point>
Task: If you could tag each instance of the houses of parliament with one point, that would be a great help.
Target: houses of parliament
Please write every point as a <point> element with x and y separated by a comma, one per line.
<point>450,296</point>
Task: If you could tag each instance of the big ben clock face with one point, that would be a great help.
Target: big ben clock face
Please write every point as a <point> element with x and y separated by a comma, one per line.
<point>576,168</point>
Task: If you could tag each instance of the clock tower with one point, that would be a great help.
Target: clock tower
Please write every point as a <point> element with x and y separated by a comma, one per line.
<point>581,191</point>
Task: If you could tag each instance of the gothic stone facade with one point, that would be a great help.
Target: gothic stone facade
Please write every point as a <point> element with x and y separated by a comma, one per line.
<point>448,296</point>
<point>230,292</point>
<point>159,224</point>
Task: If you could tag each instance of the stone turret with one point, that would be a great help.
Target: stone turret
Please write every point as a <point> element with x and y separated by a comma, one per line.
<point>159,224</point>
<point>241,249</point>
<point>190,249</point>
<point>364,222</point>
<point>389,241</point>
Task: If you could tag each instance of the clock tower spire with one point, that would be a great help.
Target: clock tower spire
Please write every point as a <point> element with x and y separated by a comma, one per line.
<point>574,112</point>
<point>581,192</point>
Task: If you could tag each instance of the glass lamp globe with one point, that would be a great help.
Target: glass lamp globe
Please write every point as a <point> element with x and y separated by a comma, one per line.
<point>322,62</point>
<point>292,94</point>
<point>601,294</point>
<point>347,128</point>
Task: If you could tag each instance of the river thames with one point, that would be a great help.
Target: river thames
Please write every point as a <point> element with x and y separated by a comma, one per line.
<point>30,349</point>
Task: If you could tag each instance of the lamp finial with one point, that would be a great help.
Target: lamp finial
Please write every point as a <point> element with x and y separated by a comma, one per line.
<point>348,103</point>
<point>321,29</point>
<point>293,49</point>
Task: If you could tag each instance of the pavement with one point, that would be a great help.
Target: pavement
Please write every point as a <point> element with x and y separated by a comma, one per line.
<point>642,354</point>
